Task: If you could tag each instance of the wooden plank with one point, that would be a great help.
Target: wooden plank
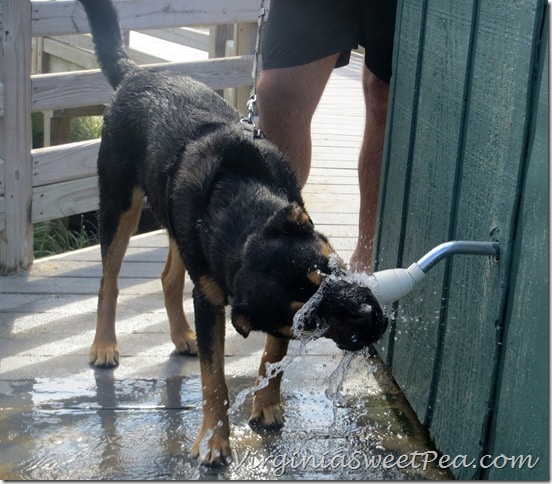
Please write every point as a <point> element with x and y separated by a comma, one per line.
<point>2,213</point>
<point>245,35</point>
<point>92,269</point>
<point>16,242</point>
<point>2,178</point>
<point>54,63</point>
<point>79,51</point>
<point>313,187</point>
<point>59,18</point>
<point>69,54</point>
<point>64,199</point>
<point>69,90</point>
<point>396,157</point>
<point>1,99</point>
<point>78,285</point>
<point>64,162</point>
<point>433,153</point>
<point>521,424</point>
<point>97,110</point>
<point>219,35</point>
<point>194,38</point>
<point>494,143</point>
<point>85,88</point>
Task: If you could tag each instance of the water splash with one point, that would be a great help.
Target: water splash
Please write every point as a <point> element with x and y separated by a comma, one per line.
<point>272,370</point>
<point>277,367</point>
<point>304,318</point>
<point>336,379</point>
<point>204,445</point>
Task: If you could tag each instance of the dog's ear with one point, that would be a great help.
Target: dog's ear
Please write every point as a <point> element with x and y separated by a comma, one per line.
<point>241,322</point>
<point>244,280</point>
<point>290,219</point>
<point>244,158</point>
<point>259,302</point>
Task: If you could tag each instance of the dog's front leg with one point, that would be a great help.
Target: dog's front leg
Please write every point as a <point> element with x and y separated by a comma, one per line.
<point>267,410</point>
<point>212,446</point>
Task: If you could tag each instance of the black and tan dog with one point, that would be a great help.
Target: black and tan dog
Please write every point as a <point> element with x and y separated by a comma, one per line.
<point>235,219</point>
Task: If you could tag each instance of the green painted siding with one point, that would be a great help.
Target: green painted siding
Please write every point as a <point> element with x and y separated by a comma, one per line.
<point>522,404</point>
<point>466,158</point>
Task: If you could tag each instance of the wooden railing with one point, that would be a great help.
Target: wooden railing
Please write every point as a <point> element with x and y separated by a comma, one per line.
<point>57,181</point>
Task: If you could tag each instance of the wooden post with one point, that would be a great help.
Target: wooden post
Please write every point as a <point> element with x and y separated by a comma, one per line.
<point>244,43</point>
<point>16,239</point>
<point>219,35</point>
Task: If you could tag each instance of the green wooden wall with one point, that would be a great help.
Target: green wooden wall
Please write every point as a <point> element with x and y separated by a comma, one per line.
<point>467,158</point>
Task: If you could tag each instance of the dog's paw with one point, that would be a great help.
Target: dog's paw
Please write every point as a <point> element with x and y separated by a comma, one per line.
<point>212,447</point>
<point>106,356</point>
<point>186,343</point>
<point>268,417</point>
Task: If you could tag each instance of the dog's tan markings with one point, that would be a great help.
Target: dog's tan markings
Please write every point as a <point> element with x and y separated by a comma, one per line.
<point>104,350</point>
<point>242,324</point>
<point>285,331</point>
<point>296,305</point>
<point>172,279</point>
<point>316,277</point>
<point>211,290</point>
<point>267,411</point>
<point>326,250</point>
<point>213,441</point>
<point>298,215</point>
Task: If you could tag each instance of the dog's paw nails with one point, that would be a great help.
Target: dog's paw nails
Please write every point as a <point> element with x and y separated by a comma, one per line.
<point>212,452</point>
<point>267,418</point>
<point>105,357</point>
<point>186,344</point>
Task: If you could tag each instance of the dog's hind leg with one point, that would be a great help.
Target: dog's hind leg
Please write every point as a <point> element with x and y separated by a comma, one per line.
<point>172,278</point>
<point>267,410</point>
<point>104,351</point>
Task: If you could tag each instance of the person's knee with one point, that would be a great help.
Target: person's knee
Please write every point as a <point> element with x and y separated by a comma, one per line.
<point>273,89</point>
<point>376,94</point>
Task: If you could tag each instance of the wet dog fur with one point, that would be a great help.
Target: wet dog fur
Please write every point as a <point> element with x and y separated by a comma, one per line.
<point>235,220</point>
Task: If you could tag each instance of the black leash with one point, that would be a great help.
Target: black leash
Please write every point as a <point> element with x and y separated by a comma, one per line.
<point>250,123</point>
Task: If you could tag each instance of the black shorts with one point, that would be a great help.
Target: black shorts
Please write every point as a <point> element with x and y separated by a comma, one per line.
<point>301,31</point>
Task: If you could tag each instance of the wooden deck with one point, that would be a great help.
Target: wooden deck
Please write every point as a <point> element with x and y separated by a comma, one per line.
<point>48,313</point>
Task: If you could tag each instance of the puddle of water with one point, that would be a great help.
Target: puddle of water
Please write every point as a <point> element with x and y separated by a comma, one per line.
<point>99,428</point>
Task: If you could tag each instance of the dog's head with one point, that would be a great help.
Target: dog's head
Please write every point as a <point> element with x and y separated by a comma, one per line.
<point>286,268</point>
<point>344,311</point>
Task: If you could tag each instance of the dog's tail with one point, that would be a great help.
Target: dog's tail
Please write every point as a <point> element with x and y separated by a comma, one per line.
<point>108,40</point>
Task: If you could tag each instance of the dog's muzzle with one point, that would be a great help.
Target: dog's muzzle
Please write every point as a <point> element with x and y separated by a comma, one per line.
<point>343,311</point>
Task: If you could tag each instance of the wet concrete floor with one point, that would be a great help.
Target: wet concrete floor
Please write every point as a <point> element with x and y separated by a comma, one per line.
<point>138,423</point>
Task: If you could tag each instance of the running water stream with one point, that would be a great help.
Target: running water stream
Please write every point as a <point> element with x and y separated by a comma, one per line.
<point>336,379</point>
<point>272,370</point>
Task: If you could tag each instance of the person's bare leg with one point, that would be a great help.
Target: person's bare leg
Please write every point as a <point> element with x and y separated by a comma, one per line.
<point>376,94</point>
<point>287,100</point>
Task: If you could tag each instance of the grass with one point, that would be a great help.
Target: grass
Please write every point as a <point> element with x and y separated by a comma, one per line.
<point>85,128</point>
<point>53,237</point>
